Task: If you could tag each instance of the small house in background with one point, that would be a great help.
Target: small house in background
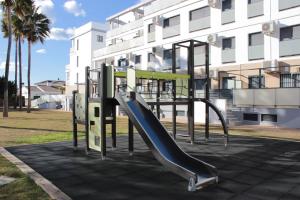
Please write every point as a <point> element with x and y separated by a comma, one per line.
<point>47,94</point>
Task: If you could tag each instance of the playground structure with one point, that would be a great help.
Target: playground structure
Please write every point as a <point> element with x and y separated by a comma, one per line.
<point>132,92</point>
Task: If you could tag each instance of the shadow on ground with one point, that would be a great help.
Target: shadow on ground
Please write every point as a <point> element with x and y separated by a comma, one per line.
<point>250,168</point>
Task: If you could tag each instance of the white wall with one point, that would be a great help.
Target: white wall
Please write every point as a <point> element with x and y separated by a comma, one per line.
<point>87,36</point>
<point>241,28</point>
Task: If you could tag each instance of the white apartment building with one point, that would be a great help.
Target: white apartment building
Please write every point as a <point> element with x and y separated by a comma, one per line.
<point>86,40</point>
<point>254,53</point>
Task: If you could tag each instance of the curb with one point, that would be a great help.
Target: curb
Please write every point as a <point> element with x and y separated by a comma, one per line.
<point>54,192</point>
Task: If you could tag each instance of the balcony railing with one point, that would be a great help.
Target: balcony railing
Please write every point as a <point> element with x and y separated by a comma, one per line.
<point>289,48</point>
<point>158,5</point>
<point>199,24</point>
<point>136,42</point>
<point>255,9</point>
<point>228,55</point>
<point>277,97</point>
<point>285,4</point>
<point>171,31</point>
<point>228,16</point>
<point>125,28</point>
<point>256,52</point>
<point>151,37</point>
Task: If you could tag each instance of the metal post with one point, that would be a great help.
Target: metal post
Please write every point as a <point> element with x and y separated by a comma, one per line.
<point>158,99</point>
<point>130,129</point>
<point>87,96</point>
<point>114,128</point>
<point>259,79</point>
<point>103,97</point>
<point>207,91</point>
<point>191,94</point>
<point>174,112</point>
<point>114,122</point>
<point>75,130</point>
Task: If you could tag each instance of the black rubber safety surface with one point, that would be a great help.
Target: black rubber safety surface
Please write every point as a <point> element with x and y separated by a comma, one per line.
<point>251,168</point>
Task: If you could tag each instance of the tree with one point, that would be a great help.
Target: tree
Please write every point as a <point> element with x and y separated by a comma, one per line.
<point>7,7</point>
<point>36,30</point>
<point>20,9</point>
<point>11,88</point>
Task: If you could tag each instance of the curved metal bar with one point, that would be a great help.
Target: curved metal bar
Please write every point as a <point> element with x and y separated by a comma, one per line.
<point>221,117</point>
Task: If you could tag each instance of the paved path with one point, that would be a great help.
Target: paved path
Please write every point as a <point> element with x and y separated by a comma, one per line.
<point>250,169</point>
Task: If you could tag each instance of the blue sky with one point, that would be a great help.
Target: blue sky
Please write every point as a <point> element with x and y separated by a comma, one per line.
<point>49,60</point>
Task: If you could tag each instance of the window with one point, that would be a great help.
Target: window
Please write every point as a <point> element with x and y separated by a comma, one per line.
<point>151,28</point>
<point>77,44</point>
<point>255,8</point>
<point>250,117</point>
<point>256,82</point>
<point>137,59</point>
<point>228,43</point>
<point>227,5</point>
<point>167,54</point>
<point>290,33</point>
<point>180,113</point>
<point>256,39</point>
<point>167,57</point>
<point>167,86</point>
<point>172,21</point>
<point>287,4</point>
<point>200,84</point>
<point>99,38</point>
<point>151,57</point>
<point>290,80</point>
<point>200,13</point>
<point>268,118</point>
<point>77,61</point>
<point>123,62</point>
<point>254,1</point>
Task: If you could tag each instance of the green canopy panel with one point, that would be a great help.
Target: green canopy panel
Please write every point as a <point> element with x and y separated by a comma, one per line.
<point>141,74</point>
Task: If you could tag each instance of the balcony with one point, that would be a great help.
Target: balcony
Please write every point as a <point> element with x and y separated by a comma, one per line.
<point>129,44</point>
<point>228,56</point>
<point>286,4</point>
<point>158,5</point>
<point>256,52</point>
<point>200,24</point>
<point>167,64</point>
<point>171,31</point>
<point>125,28</point>
<point>256,9</point>
<point>228,16</point>
<point>151,37</point>
<point>279,97</point>
<point>151,66</point>
<point>289,48</point>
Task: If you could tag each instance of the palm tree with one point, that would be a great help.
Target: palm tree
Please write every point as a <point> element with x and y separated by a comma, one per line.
<point>7,7</point>
<point>36,30</point>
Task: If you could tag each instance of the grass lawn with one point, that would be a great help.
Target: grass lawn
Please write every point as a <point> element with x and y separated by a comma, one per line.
<point>22,188</point>
<point>54,126</point>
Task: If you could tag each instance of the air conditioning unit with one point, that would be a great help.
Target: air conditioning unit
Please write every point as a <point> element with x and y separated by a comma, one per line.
<point>130,56</point>
<point>214,74</point>
<point>137,34</point>
<point>268,28</point>
<point>212,39</point>
<point>156,20</point>
<point>213,3</point>
<point>271,66</point>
